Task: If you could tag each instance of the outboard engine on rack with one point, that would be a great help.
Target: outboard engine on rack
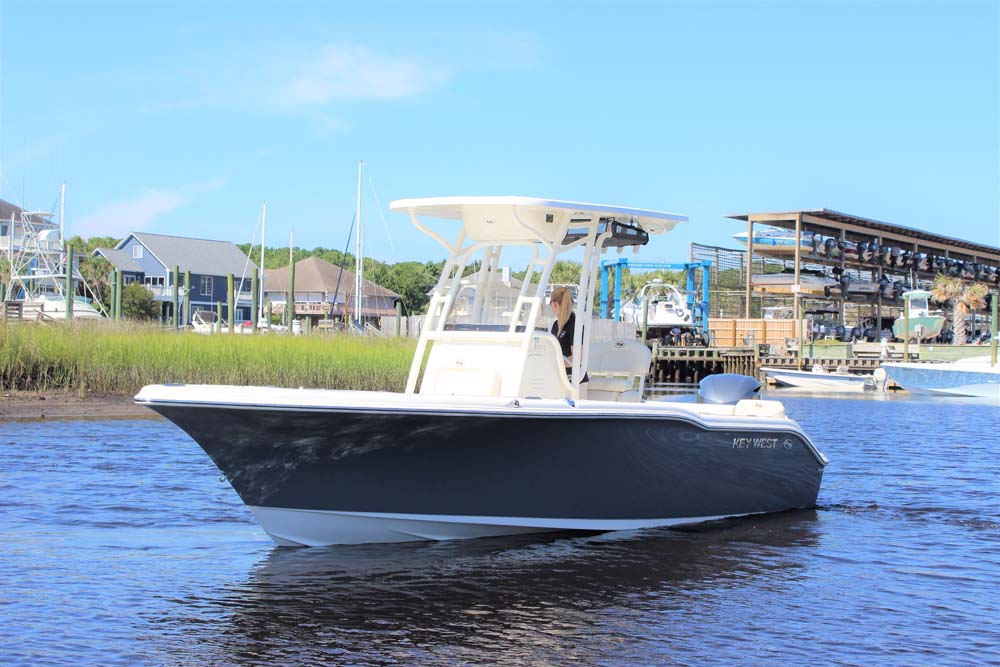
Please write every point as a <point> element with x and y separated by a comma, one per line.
<point>831,249</point>
<point>727,389</point>
<point>817,244</point>
<point>885,287</point>
<point>845,282</point>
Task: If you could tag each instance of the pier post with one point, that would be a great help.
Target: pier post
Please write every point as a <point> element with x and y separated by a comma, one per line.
<point>119,286</point>
<point>230,300</point>
<point>255,300</point>
<point>69,282</point>
<point>399,317</point>
<point>290,308</point>
<point>993,331</point>
<point>114,298</point>
<point>218,316</point>
<point>906,331</point>
<point>187,299</point>
<point>174,280</point>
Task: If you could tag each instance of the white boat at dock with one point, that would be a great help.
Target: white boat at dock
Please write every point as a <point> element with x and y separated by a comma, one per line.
<point>975,377</point>
<point>820,379</point>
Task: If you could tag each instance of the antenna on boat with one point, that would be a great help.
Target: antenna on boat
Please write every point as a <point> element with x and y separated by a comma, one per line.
<point>359,248</point>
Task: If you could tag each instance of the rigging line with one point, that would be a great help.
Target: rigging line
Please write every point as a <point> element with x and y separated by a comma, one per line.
<point>343,260</point>
<point>378,206</point>
<point>246,264</point>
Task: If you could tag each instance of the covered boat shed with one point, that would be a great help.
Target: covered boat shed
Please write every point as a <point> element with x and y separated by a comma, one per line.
<point>914,254</point>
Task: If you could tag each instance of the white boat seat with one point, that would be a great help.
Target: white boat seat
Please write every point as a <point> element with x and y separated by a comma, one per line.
<point>617,370</point>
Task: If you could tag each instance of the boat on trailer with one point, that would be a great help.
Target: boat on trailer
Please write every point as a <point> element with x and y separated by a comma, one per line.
<point>492,436</point>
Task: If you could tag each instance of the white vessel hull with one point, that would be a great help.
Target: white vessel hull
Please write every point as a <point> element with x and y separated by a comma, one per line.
<point>818,381</point>
<point>974,378</point>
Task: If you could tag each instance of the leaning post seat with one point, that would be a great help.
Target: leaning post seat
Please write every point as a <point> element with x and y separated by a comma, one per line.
<point>617,370</point>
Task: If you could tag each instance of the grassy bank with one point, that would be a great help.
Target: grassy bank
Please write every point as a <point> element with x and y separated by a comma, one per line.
<point>109,358</point>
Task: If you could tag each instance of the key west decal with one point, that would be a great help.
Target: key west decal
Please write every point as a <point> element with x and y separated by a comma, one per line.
<point>754,443</point>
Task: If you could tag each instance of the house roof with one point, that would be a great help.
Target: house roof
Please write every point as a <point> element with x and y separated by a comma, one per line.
<point>8,210</point>
<point>313,274</point>
<point>202,256</point>
<point>119,258</point>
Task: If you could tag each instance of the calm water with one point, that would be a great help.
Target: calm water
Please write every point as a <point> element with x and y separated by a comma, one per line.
<point>122,546</point>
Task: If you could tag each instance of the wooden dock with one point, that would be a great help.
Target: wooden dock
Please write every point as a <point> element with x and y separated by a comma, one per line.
<point>691,364</point>
<point>678,365</point>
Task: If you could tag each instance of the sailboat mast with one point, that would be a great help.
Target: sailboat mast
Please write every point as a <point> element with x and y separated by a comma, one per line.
<point>62,228</point>
<point>263,224</point>
<point>359,246</point>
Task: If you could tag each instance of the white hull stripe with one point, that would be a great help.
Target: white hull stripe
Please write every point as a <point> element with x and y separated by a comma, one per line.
<point>299,527</point>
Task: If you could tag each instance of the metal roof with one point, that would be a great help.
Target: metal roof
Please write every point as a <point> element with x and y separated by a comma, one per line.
<point>121,259</point>
<point>836,219</point>
<point>201,256</point>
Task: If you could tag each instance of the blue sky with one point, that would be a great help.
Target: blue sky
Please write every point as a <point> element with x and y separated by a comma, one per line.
<point>180,118</point>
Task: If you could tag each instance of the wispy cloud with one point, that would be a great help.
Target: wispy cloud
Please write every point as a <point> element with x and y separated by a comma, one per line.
<point>344,72</point>
<point>141,211</point>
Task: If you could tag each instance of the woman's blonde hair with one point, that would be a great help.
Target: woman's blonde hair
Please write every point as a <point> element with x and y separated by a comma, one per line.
<point>563,297</point>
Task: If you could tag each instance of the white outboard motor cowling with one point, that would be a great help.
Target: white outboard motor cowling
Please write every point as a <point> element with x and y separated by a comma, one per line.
<point>727,388</point>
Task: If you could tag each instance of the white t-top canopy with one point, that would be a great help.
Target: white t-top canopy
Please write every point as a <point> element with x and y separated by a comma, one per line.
<point>527,219</point>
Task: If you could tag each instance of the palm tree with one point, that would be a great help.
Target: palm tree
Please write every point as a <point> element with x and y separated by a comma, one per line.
<point>974,298</point>
<point>945,289</point>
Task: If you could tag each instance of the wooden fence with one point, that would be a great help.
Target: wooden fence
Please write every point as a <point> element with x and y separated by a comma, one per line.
<point>732,332</point>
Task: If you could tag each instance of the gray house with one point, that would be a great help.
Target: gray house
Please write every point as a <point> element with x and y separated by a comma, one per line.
<point>150,259</point>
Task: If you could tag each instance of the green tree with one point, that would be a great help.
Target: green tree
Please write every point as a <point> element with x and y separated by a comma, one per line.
<point>138,303</point>
<point>947,289</point>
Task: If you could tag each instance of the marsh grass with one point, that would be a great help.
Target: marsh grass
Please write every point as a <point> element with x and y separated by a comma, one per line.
<point>119,358</point>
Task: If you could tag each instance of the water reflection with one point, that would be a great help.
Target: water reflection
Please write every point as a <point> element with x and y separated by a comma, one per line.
<point>526,596</point>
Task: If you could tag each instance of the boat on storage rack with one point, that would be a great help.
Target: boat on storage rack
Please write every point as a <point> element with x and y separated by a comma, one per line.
<point>492,436</point>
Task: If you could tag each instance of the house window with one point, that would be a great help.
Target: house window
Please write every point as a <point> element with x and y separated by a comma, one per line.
<point>206,285</point>
<point>137,252</point>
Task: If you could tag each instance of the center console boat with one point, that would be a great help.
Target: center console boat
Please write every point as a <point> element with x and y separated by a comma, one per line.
<point>492,436</point>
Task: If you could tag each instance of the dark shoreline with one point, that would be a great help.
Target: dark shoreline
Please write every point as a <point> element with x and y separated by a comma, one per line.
<point>36,405</point>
